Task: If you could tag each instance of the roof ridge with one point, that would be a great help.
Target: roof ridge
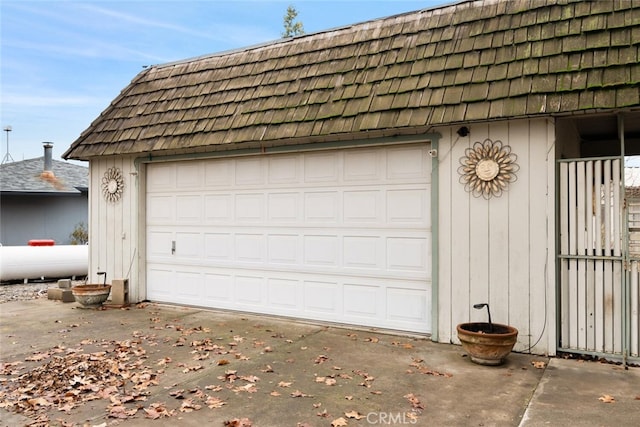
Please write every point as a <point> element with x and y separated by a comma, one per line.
<point>307,35</point>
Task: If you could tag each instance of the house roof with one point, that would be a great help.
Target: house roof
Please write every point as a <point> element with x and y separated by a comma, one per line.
<point>470,61</point>
<point>27,176</point>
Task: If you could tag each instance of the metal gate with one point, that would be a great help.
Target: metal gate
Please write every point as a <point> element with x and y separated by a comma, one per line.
<point>598,273</point>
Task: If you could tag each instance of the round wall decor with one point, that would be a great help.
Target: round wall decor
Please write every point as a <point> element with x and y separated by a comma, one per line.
<point>487,168</point>
<point>112,184</point>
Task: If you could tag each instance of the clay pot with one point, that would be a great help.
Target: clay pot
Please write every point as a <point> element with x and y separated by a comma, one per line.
<point>487,344</point>
<point>91,295</point>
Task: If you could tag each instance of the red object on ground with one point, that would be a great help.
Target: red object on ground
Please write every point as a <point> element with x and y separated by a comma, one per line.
<point>41,242</point>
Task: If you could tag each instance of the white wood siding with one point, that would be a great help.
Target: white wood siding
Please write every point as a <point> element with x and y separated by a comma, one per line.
<point>113,227</point>
<point>500,250</point>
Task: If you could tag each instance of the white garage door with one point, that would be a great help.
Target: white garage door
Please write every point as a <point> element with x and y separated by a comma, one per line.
<point>341,236</point>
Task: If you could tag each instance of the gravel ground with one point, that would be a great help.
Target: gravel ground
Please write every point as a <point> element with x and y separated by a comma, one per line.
<point>22,291</point>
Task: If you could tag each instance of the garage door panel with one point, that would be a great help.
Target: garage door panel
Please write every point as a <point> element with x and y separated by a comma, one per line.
<point>321,206</point>
<point>362,206</point>
<point>159,244</point>
<point>322,299</point>
<point>188,286</point>
<point>341,236</point>
<point>407,305</point>
<point>218,289</point>
<point>409,207</point>
<point>249,207</point>
<point>362,165</point>
<point>249,248</point>
<point>218,246</point>
<point>284,207</point>
<point>249,171</point>
<point>321,168</point>
<point>161,177</point>
<point>160,210</point>
<point>408,254</point>
<point>284,294</point>
<point>361,301</point>
<point>188,175</point>
<point>161,280</point>
<point>218,208</point>
<point>283,249</point>
<point>408,163</point>
<point>188,246</point>
<point>219,173</point>
<point>249,291</point>
<point>284,170</point>
<point>321,250</point>
<point>363,252</point>
<point>189,209</point>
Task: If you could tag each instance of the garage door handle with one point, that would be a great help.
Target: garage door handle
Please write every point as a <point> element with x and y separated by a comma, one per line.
<point>173,247</point>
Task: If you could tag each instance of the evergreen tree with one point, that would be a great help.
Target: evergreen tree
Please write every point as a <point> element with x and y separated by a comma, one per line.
<point>291,26</point>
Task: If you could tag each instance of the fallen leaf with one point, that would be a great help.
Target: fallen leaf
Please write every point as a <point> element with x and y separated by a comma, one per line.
<point>39,401</point>
<point>250,378</point>
<point>323,414</point>
<point>298,393</point>
<point>373,339</point>
<point>339,422</point>
<point>189,406</point>
<point>214,402</point>
<point>321,359</point>
<point>284,384</point>
<point>223,362</point>
<point>607,399</point>
<point>238,422</point>
<point>354,414</point>
<point>178,394</point>
<point>37,357</point>
<point>538,364</point>
<point>274,393</point>
<point>415,402</point>
<point>249,388</point>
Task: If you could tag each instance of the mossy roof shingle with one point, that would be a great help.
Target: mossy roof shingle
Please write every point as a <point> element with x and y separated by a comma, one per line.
<point>474,60</point>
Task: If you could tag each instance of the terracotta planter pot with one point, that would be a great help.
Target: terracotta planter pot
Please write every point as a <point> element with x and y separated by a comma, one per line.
<point>486,345</point>
<point>91,295</point>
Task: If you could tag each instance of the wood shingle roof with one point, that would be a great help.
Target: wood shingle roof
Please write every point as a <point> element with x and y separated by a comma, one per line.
<point>471,61</point>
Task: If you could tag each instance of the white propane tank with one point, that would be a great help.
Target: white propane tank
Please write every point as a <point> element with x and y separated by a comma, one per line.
<point>34,262</point>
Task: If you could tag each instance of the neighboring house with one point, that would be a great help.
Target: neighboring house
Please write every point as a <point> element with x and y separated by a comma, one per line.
<point>388,174</point>
<point>42,198</point>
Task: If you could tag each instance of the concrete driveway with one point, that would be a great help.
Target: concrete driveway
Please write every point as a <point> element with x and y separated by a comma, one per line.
<point>155,364</point>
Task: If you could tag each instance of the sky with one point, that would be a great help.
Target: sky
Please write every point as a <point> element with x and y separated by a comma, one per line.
<point>62,62</point>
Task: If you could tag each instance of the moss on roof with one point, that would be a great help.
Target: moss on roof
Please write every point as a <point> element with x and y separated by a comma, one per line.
<point>471,61</point>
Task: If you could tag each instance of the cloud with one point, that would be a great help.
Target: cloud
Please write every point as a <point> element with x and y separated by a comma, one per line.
<point>15,101</point>
<point>236,33</point>
<point>88,49</point>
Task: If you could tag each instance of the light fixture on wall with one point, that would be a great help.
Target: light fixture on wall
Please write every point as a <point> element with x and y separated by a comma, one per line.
<point>463,131</point>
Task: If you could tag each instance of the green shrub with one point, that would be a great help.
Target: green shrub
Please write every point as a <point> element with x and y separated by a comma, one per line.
<point>79,235</point>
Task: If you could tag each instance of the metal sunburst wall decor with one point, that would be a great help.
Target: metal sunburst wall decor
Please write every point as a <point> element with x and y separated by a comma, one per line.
<point>487,168</point>
<point>112,185</point>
